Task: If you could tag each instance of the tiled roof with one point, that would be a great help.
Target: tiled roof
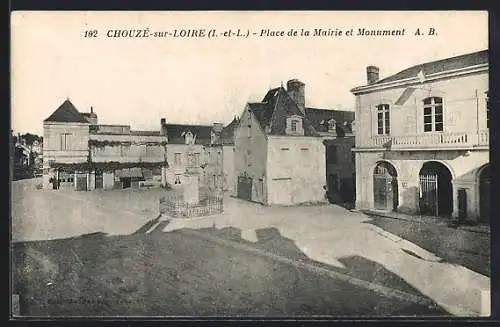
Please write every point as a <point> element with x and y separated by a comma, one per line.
<point>145,133</point>
<point>227,134</point>
<point>277,105</point>
<point>66,113</point>
<point>319,118</point>
<point>462,61</point>
<point>175,131</point>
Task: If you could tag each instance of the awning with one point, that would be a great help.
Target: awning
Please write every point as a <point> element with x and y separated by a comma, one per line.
<point>129,173</point>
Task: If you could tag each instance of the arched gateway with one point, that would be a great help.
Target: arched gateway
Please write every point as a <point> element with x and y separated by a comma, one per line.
<point>436,190</point>
<point>385,187</point>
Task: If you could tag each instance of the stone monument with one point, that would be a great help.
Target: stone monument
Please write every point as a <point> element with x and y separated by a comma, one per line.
<point>190,187</point>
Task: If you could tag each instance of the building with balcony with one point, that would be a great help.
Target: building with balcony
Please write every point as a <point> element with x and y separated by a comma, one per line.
<point>284,151</point>
<point>80,154</point>
<point>422,140</point>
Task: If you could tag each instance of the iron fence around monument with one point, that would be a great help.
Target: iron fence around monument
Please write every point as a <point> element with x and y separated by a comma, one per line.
<point>174,205</point>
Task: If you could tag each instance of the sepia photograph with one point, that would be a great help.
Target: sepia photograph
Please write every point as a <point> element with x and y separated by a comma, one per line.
<point>290,164</point>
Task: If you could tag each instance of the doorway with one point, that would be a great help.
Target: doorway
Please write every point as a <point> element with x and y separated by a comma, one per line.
<point>436,190</point>
<point>385,187</point>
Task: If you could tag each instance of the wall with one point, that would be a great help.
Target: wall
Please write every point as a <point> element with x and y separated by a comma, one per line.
<point>179,169</point>
<point>137,151</point>
<point>228,152</point>
<point>77,142</point>
<point>295,170</point>
<point>250,156</point>
<point>460,107</point>
<point>345,164</point>
<point>108,180</point>
<point>344,169</point>
<point>408,164</point>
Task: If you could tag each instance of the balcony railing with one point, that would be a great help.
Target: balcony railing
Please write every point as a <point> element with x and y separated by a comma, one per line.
<point>433,140</point>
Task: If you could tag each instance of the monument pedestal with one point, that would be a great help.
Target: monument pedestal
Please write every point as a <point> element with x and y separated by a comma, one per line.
<point>190,189</point>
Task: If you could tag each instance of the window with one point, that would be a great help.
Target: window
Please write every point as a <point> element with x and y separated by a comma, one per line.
<point>488,110</point>
<point>331,154</point>
<point>433,114</point>
<point>293,125</point>
<point>383,120</point>
<point>65,138</point>
<point>177,159</point>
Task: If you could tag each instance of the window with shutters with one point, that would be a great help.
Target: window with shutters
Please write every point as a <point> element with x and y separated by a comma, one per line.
<point>65,141</point>
<point>433,114</point>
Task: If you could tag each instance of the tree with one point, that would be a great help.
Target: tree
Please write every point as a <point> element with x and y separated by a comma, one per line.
<point>31,138</point>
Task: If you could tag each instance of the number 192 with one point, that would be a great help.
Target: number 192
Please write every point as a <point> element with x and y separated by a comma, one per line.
<point>91,33</point>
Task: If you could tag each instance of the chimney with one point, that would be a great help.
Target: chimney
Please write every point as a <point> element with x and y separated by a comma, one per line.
<point>296,90</point>
<point>372,74</point>
<point>92,117</point>
<point>163,126</point>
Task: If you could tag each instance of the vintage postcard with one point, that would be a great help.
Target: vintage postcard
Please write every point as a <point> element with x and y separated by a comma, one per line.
<point>250,164</point>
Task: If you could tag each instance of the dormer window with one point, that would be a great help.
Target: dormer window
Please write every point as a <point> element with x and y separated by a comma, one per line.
<point>294,125</point>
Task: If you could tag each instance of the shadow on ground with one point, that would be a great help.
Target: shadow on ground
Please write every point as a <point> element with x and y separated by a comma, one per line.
<point>462,247</point>
<point>181,273</point>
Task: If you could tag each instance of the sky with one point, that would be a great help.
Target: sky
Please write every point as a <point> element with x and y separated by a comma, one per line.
<point>137,81</point>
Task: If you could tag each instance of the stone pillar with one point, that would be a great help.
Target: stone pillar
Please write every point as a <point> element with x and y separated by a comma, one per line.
<point>163,176</point>
<point>455,200</point>
<point>91,181</point>
<point>190,189</point>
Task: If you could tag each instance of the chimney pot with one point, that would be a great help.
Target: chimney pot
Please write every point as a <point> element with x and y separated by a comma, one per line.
<point>372,74</point>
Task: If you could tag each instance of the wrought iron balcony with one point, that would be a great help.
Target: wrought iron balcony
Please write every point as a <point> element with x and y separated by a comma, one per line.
<point>462,140</point>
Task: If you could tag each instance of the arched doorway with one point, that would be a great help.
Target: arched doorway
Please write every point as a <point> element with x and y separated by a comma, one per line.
<point>484,194</point>
<point>385,187</point>
<point>436,190</point>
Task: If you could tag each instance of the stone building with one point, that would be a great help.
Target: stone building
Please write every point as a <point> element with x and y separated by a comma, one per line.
<point>207,150</point>
<point>422,141</point>
<point>81,154</point>
<point>280,148</point>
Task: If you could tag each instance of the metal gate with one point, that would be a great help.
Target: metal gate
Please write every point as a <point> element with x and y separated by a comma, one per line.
<point>244,190</point>
<point>428,202</point>
<point>383,191</point>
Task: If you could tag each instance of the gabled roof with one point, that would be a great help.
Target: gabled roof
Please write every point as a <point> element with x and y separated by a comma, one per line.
<point>319,118</point>
<point>462,61</point>
<point>227,134</point>
<point>66,113</point>
<point>175,133</point>
<point>272,112</point>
